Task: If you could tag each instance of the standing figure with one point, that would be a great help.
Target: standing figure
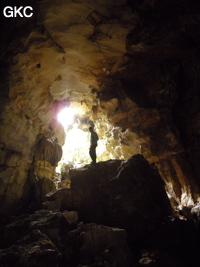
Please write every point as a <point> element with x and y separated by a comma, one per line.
<point>93,144</point>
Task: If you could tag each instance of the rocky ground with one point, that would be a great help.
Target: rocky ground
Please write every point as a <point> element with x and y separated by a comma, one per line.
<point>116,213</point>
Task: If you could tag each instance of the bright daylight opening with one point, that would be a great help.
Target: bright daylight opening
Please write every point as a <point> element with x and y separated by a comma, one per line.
<point>77,142</point>
<point>66,116</point>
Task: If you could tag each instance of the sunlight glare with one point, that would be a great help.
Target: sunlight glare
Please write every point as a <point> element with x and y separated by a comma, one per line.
<point>76,147</point>
<point>66,116</point>
<point>77,142</point>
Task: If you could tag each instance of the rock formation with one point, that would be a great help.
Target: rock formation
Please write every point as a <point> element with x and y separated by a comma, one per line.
<point>130,195</point>
<point>130,69</point>
<point>116,213</point>
<point>46,157</point>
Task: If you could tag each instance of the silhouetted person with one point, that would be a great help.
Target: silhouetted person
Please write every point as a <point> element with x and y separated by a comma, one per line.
<point>93,144</point>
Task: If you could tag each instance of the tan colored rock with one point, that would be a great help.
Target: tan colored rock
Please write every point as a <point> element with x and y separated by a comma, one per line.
<point>184,188</point>
<point>47,155</point>
<point>13,183</point>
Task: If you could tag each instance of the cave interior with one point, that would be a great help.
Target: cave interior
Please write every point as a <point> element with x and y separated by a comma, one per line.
<point>131,70</point>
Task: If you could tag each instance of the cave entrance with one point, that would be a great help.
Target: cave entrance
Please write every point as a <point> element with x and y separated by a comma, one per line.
<point>76,122</point>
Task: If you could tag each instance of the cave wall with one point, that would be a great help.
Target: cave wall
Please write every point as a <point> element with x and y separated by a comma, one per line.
<point>160,79</point>
<point>132,66</point>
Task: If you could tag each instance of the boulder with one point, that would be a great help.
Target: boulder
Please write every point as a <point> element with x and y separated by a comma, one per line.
<point>97,245</point>
<point>34,250</point>
<point>61,198</point>
<point>52,224</point>
<point>126,194</point>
